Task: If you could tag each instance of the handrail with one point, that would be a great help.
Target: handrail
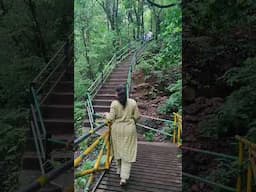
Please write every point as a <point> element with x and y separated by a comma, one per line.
<point>105,146</point>
<point>85,136</point>
<point>37,85</point>
<point>131,68</point>
<point>251,166</point>
<point>59,61</point>
<point>154,129</point>
<point>243,143</point>
<point>46,178</point>
<point>101,78</point>
<point>52,59</point>
<point>36,103</point>
<point>221,155</point>
<point>156,118</point>
<point>219,186</point>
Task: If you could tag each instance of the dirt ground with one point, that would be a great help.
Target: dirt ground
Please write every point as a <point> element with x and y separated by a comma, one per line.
<point>148,102</point>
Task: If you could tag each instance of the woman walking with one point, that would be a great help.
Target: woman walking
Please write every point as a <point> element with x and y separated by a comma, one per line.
<point>123,115</point>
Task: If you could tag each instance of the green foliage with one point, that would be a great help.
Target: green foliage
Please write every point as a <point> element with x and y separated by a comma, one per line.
<point>26,46</point>
<point>236,115</point>
<point>11,146</point>
<point>169,128</point>
<point>174,103</point>
<point>163,60</point>
<point>149,136</point>
<point>225,172</point>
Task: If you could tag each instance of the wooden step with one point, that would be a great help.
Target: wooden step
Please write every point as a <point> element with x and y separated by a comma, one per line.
<point>59,126</point>
<point>107,86</point>
<point>68,76</point>
<point>31,162</point>
<point>64,86</point>
<point>105,96</point>
<point>101,108</point>
<point>30,143</point>
<point>88,125</point>
<point>106,91</point>
<point>65,98</point>
<point>57,111</point>
<point>119,76</point>
<point>116,79</point>
<point>106,102</point>
<point>115,84</point>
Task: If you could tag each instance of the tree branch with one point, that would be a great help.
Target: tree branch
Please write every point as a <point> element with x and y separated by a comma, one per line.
<point>161,6</point>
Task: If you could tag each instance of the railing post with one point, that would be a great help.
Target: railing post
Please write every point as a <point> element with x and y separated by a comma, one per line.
<point>249,175</point>
<point>241,157</point>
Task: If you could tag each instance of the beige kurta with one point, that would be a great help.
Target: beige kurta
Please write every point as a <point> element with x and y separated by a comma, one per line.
<point>123,132</point>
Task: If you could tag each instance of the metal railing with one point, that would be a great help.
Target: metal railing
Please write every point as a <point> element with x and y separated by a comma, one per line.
<point>99,166</point>
<point>249,160</point>
<point>245,170</point>
<point>102,77</point>
<point>175,127</point>
<point>40,88</point>
<point>134,60</point>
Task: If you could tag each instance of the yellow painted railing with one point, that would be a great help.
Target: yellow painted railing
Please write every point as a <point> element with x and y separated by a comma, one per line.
<point>106,147</point>
<point>177,132</point>
<point>247,153</point>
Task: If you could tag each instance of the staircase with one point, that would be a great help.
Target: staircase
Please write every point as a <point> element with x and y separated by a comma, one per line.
<point>57,113</point>
<point>106,94</point>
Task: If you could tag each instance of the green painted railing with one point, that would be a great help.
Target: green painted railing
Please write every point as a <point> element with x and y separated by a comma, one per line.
<point>40,88</point>
<point>102,77</point>
<point>133,63</point>
<point>214,184</point>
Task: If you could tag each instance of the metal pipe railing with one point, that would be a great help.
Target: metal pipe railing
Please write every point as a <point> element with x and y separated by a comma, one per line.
<point>85,136</point>
<point>46,178</point>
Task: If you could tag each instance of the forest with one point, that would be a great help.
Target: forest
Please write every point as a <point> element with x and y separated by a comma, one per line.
<point>102,27</point>
<point>218,69</point>
<point>30,32</point>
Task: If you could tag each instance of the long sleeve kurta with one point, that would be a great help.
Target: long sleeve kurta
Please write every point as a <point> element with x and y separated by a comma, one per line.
<point>123,132</point>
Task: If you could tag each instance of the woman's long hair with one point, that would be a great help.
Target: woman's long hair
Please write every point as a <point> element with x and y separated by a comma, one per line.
<point>121,95</point>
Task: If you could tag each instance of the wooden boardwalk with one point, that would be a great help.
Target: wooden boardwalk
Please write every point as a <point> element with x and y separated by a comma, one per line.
<point>157,169</point>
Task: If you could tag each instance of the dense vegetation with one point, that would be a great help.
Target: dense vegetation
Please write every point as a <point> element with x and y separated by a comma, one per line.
<point>30,33</point>
<point>219,89</point>
<point>104,26</point>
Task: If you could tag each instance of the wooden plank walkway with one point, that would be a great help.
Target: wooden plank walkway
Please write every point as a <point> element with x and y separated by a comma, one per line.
<point>157,169</point>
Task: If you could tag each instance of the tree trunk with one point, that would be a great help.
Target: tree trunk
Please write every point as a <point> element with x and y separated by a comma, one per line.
<point>86,40</point>
<point>142,18</point>
<point>37,30</point>
<point>4,9</point>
